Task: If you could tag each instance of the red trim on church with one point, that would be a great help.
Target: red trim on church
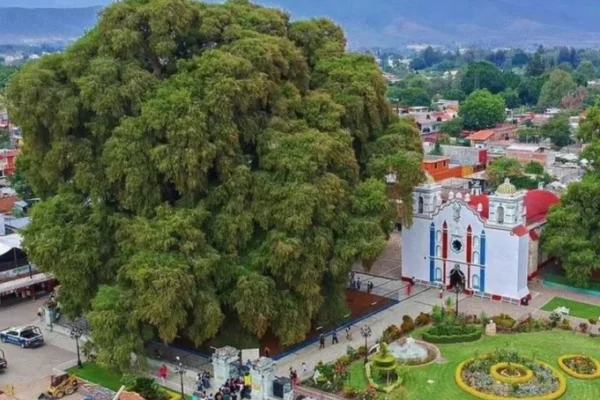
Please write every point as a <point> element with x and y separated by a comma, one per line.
<point>496,297</point>
<point>469,251</point>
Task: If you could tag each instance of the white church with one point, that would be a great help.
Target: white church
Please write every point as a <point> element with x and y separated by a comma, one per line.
<point>487,243</point>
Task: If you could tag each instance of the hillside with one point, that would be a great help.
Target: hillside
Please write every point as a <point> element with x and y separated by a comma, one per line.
<point>368,22</point>
<point>19,25</point>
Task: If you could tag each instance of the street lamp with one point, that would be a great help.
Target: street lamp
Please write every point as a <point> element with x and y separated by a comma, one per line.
<point>457,291</point>
<point>77,330</point>
<point>181,370</point>
<point>365,331</point>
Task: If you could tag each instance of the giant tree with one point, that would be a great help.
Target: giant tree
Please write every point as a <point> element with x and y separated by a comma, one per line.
<point>482,75</point>
<point>204,163</point>
<point>559,85</point>
<point>482,110</point>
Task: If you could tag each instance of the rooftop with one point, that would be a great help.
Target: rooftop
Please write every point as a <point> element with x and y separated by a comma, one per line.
<point>481,135</point>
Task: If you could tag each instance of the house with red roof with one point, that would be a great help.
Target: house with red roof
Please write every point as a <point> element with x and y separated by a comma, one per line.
<point>486,244</point>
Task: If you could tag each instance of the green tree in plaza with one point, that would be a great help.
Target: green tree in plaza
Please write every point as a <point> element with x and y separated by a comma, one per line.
<point>482,75</point>
<point>482,110</point>
<point>203,163</point>
<point>534,167</point>
<point>559,85</point>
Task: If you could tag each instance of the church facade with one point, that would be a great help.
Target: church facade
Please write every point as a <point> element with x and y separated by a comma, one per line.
<point>487,243</point>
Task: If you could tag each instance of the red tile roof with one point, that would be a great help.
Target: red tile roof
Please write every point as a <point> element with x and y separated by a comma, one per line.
<point>7,204</point>
<point>520,230</point>
<point>482,135</point>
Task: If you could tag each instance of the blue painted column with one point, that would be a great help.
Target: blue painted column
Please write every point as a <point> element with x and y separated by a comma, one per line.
<point>432,252</point>
<point>482,262</point>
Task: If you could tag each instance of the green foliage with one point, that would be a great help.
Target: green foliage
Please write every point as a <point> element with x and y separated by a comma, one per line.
<point>423,319</point>
<point>529,135</point>
<point>437,149</point>
<point>589,128</point>
<point>559,84</point>
<point>207,162</point>
<point>482,110</point>
<point>501,169</point>
<point>414,97</point>
<point>558,130</point>
<point>144,386</point>
<point>452,127</point>
<point>482,75</point>
<point>6,72</point>
<point>534,167</point>
<point>511,98</point>
<point>452,334</point>
<point>18,182</point>
<point>454,94</point>
<point>407,325</point>
<point>536,65</point>
<point>391,334</point>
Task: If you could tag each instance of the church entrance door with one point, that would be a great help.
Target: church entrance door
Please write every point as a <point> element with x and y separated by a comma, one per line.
<point>457,277</point>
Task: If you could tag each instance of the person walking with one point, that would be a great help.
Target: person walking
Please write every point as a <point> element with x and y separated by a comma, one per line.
<point>358,283</point>
<point>348,333</point>
<point>321,341</point>
<point>162,374</point>
<point>334,337</point>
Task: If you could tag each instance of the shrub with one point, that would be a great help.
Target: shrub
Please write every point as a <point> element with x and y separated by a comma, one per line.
<point>348,392</point>
<point>593,321</point>
<point>554,318</point>
<point>483,317</point>
<point>583,327</point>
<point>391,333</point>
<point>471,335</point>
<point>144,386</point>
<point>344,360</point>
<point>351,353</point>
<point>407,324</point>
<point>437,314</point>
<point>565,325</point>
<point>423,319</point>
<point>362,351</point>
<point>504,322</point>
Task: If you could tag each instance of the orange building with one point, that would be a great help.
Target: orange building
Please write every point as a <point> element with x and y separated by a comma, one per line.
<point>439,168</point>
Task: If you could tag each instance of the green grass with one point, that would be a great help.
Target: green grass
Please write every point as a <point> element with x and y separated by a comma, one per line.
<point>576,308</point>
<point>94,373</point>
<point>357,378</point>
<point>547,346</point>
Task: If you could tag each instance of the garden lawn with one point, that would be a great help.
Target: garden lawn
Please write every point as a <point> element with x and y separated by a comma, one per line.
<point>357,378</point>
<point>576,308</point>
<point>96,374</point>
<point>546,346</point>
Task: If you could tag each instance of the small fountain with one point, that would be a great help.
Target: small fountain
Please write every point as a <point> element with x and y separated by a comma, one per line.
<point>410,350</point>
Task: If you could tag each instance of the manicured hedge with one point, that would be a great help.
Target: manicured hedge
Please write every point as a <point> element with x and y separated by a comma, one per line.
<point>385,389</point>
<point>576,375</point>
<point>507,379</point>
<point>562,386</point>
<point>466,337</point>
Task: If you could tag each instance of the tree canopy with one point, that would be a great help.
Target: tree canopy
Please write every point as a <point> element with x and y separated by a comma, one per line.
<point>482,75</point>
<point>201,163</point>
<point>559,85</point>
<point>482,110</point>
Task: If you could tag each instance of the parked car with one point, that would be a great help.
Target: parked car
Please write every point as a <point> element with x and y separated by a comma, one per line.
<point>27,336</point>
<point>3,363</point>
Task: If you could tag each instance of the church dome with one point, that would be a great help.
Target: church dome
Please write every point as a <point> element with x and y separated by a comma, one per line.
<point>506,188</point>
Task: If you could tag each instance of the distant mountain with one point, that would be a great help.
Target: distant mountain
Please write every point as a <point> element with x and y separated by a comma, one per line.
<point>368,22</point>
<point>27,25</point>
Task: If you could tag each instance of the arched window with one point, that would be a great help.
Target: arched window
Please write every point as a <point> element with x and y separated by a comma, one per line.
<point>438,236</point>
<point>420,207</point>
<point>438,251</point>
<point>476,241</point>
<point>475,257</point>
<point>500,214</point>
<point>475,282</point>
<point>438,274</point>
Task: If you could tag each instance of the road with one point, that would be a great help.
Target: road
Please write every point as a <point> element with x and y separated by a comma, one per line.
<point>28,369</point>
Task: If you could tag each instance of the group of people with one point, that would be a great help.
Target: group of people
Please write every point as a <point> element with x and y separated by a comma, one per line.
<point>230,390</point>
<point>355,283</point>
<point>203,381</point>
<point>334,337</point>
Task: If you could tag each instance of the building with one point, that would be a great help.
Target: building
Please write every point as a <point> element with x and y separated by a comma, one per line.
<point>440,168</point>
<point>488,243</point>
<point>7,162</point>
<point>481,139</point>
<point>525,153</point>
<point>484,138</point>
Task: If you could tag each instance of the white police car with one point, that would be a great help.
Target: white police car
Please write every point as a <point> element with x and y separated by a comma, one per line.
<point>26,336</point>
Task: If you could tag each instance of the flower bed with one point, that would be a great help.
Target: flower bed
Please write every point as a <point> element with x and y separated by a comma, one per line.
<point>483,377</point>
<point>580,367</point>
<point>452,334</point>
<point>383,382</point>
<point>511,373</point>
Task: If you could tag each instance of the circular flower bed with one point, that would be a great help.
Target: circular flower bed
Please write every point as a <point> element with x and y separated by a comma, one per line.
<point>503,375</point>
<point>511,373</point>
<point>580,367</point>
